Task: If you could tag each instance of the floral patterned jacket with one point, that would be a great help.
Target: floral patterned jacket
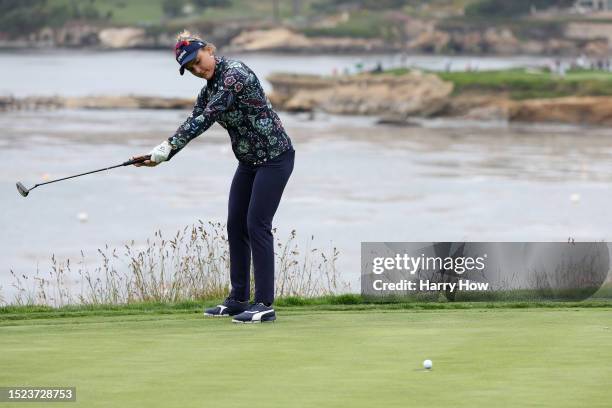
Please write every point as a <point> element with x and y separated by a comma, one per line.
<point>234,98</point>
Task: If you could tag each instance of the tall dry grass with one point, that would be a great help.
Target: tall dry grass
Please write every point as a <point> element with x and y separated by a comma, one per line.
<point>193,264</point>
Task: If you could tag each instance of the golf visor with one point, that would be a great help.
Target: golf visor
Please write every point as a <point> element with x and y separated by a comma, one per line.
<point>186,51</point>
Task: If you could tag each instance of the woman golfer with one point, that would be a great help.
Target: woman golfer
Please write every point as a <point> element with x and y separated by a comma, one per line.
<point>234,98</point>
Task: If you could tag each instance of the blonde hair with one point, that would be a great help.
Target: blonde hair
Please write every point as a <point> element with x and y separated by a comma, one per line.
<point>189,36</point>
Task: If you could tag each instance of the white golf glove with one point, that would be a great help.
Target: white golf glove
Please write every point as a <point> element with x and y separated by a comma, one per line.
<point>161,152</point>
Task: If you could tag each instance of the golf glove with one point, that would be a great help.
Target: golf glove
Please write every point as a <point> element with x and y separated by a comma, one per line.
<point>161,152</point>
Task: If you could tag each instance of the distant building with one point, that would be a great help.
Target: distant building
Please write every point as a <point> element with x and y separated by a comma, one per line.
<point>593,5</point>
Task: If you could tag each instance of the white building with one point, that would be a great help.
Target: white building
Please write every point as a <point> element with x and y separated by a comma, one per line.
<point>593,5</point>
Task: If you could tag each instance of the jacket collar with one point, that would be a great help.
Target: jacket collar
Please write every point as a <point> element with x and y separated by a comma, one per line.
<point>220,63</point>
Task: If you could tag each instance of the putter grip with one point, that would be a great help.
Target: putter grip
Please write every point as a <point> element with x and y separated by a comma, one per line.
<point>138,160</point>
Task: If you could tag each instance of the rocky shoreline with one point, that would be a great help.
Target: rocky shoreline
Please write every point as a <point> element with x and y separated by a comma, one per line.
<point>395,99</point>
<point>10,103</point>
<point>400,99</point>
<point>422,37</point>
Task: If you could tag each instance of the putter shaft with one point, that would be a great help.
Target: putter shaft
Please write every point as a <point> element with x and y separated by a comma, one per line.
<point>24,191</point>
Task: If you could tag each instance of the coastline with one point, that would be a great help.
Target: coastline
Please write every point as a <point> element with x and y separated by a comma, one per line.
<point>579,111</point>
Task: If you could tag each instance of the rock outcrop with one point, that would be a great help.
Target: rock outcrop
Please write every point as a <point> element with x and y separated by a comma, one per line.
<point>127,37</point>
<point>497,41</point>
<point>572,110</point>
<point>283,39</point>
<point>397,99</point>
<point>370,94</point>
<point>9,103</point>
<point>417,35</point>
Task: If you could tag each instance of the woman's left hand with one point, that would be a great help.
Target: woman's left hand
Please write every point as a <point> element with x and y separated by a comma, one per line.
<point>146,163</point>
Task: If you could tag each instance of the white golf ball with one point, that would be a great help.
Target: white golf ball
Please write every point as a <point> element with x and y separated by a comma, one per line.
<point>427,364</point>
<point>82,217</point>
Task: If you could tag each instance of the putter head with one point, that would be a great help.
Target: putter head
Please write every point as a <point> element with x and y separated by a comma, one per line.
<point>22,190</point>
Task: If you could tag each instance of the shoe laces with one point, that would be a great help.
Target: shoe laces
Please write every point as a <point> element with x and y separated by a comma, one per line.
<point>257,304</point>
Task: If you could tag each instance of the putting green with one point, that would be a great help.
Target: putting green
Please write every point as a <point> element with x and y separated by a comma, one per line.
<point>481,358</point>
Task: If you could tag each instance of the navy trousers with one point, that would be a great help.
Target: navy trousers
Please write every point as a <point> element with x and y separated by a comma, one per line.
<point>254,197</point>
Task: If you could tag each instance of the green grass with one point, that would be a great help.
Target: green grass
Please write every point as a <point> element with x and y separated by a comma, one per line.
<point>511,299</point>
<point>362,24</point>
<point>432,8</point>
<point>255,10</point>
<point>123,11</point>
<point>526,84</point>
<point>503,358</point>
<point>523,84</point>
<point>147,12</point>
<point>345,302</point>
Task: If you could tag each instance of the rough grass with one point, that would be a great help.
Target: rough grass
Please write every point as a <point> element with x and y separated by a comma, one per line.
<point>192,264</point>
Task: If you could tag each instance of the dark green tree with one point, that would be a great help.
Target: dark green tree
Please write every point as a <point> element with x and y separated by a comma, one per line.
<point>23,16</point>
<point>333,5</point>
<point>203,4</point>
<point>505,8</point>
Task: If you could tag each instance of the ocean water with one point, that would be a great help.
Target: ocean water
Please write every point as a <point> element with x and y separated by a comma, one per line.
<point>354,181</point>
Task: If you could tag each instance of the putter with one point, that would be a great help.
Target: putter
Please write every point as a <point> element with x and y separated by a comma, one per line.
<point>25,191</point>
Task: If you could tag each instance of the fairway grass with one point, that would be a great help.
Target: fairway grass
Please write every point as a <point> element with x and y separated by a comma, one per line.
<point>552,357</point>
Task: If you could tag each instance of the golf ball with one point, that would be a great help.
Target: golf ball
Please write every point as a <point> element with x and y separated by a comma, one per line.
<point>82,217</point>
<point>575,198</point>
<point>427,364</point>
